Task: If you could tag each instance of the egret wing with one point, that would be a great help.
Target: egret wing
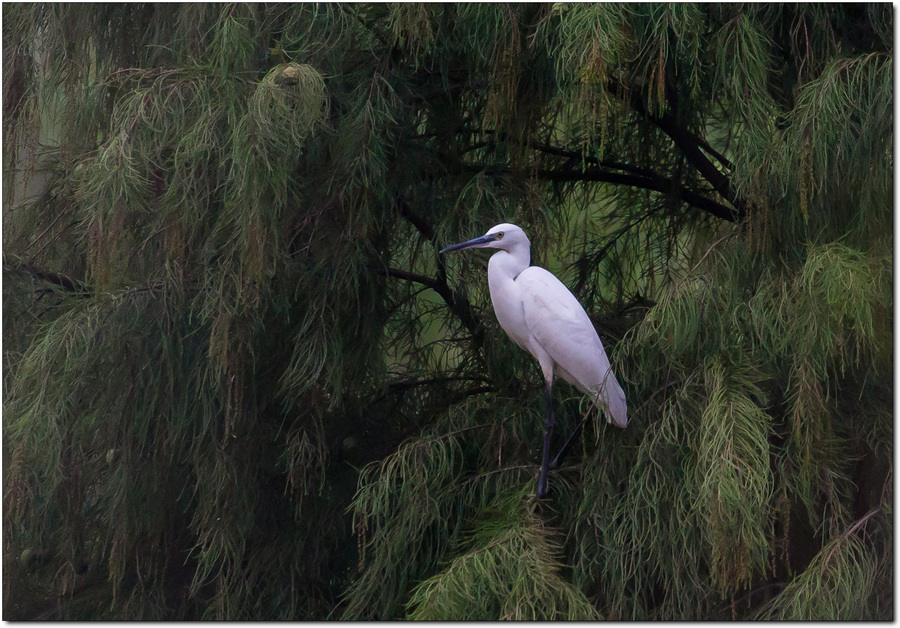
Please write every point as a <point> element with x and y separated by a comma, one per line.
<point>560,325</point>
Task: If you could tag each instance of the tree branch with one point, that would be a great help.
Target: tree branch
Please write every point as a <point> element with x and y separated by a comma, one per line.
<point>426,281</point>
<point>457,303</point>
<point>654,183</point>
<point>416,221</point>
<point>689,144</point>
<point>402,386</point>
<point>572,155</point>
<point>594,260</point>
<point>856,526</point>
<point>719,156</point>
<point>371,28</point>
<point>69,284</point>
<point>642,177</point>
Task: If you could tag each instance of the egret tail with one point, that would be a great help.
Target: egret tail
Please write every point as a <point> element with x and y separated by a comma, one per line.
<point>611,398</point>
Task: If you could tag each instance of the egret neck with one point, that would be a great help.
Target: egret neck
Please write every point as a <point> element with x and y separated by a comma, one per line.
<point>503,268</point>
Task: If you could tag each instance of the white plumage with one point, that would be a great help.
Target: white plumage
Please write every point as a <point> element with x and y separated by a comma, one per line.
<point>544,318</point>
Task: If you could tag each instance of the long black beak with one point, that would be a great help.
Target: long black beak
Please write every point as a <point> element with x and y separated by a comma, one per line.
<point>469,243</point>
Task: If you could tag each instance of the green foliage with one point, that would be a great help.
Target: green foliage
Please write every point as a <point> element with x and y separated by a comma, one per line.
<point>509,570</point>
<point>835,585</point>
<point>389,491</point>
<point>733,478</point>
<point>239,382</point>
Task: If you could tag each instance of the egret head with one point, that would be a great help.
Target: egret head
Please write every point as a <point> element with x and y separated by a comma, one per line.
<point>505,236</point>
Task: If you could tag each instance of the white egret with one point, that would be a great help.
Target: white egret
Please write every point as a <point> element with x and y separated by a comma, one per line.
<point>539,313</point>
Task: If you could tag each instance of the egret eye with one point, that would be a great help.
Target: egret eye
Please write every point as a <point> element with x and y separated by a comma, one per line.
<point>498,236</point>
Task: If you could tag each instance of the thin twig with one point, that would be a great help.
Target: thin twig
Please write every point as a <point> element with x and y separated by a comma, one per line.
<point>711,247</point>
<point>770,585</point>
<point>49,227</point>
<point>521,467</point>
<point>434,439</point>
<point>396,387</point>
<point>856,526</point>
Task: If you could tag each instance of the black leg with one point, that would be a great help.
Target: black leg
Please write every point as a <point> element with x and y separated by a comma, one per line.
<point>565,448</point>
<point>548,433</point>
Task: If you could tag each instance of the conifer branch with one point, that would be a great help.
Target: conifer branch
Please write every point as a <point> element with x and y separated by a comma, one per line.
<point>574,156</point>
<point>63,281</point>
<point>42,234</point>
<point>640,177</point>
<point>458,304</point>
<point>653,183</point>
<point>429,282</point>
<point>67,283</point>
<point>689,144</point>
<point>416,221</point>
<point>594,259</point>
<point>719,156</point>
<point>402,386</point>
<point>708,251</point>
<point>370,27</point>
<point>856,526</point>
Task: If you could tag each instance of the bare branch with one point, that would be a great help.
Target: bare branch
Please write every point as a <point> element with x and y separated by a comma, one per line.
<point>654,183</point>
<point>689,144</point>
<point>402,274</point>
<point>457,303</point>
